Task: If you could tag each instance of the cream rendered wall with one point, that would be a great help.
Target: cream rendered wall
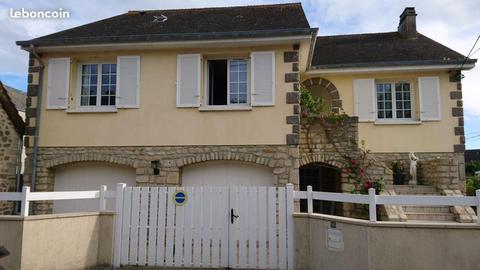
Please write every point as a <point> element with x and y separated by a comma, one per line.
<point>158,121</point>
<point>435,136</point>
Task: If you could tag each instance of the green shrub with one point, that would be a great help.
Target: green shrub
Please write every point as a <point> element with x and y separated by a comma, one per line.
<point>473,183</point>
<point>471,167</point>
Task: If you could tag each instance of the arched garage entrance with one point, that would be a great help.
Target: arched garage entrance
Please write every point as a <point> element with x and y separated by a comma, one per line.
<point>89,176</point>
<point>322,177</point>
<point>227,173</point>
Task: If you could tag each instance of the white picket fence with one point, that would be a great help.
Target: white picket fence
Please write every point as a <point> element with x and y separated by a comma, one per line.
<point>235,227</point>
<point>373,200</point>
<point>25,197</point>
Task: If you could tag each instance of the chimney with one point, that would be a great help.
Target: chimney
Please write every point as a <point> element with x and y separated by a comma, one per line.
<point>408,23</point>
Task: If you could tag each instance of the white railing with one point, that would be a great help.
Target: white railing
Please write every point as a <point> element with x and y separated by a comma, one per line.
<point>25,197</point>
<point>373,200</point>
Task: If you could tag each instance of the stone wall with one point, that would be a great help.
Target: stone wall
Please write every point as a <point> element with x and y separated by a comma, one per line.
<point>9,140</point>
<point>282,159</point>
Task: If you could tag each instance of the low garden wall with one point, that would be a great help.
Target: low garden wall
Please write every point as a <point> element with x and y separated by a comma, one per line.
<point>327,242</point>
<point>60,241</point>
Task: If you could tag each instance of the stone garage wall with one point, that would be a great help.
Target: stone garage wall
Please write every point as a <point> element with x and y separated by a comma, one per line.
<point>9,140</point>
<point>282,159</point>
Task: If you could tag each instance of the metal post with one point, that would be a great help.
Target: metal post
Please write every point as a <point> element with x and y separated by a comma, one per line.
<point>372,209</point>
<point>309,200</point>
<point>102,200</point>
<point>25,205</point>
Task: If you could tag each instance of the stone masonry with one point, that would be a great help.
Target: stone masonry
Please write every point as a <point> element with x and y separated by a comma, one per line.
<point>282,159</point>
<point>9,140</point>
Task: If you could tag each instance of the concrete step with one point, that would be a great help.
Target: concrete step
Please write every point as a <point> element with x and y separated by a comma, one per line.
<point>427,209</point>
<point>430,216</point>
<point>415,190</point>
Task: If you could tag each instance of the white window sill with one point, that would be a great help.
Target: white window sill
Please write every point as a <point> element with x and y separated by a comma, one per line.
<point>224,108</point>
<point>99,109</point>
<point>397,122</point>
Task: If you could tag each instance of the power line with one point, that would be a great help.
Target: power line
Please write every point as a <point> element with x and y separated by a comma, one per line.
<point>473,132</point>
<point>475,51</point>
<point>468,55</point>
<point>476,136</point>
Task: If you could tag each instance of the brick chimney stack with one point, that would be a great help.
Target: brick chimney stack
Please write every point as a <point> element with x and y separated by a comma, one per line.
<point>408,23</point>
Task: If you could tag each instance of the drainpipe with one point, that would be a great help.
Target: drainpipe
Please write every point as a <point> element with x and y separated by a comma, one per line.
<point>37,117</point>
<point>18,171</point>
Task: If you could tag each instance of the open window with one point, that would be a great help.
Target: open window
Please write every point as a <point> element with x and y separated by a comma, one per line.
<point>227,82</point>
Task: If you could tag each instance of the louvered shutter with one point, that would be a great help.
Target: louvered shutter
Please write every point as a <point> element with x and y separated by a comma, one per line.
<point>364,98</point>
<point>128,81</point>
<point>58,83</point>
<point>188,80</point>
<point>429,89</point>
<point>263,78</point>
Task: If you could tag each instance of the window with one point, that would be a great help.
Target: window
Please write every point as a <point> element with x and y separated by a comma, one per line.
<point>227,82</point>
<point>98,84</point>
<point>394,100</point>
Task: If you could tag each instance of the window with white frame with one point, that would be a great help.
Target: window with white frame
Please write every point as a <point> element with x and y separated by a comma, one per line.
<point>98,84</point>
<point>227,82</point>
<point>394,100</point>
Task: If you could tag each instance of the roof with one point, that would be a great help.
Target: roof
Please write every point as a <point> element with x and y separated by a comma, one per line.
<point>11,111</point>
<point>381,49</point>
<point>18,97</point>
<point>186,24</point>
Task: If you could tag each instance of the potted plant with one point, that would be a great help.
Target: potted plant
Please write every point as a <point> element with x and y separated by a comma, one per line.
<point>399,172</point>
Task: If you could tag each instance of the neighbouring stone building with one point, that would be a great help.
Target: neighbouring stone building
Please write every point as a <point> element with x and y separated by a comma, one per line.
<point>12,129</point>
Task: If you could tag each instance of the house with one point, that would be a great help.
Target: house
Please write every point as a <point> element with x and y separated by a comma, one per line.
<point>12,128</point>
<point>211,97</point>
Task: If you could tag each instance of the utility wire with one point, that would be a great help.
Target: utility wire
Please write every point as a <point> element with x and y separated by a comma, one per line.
<point>468,55</point>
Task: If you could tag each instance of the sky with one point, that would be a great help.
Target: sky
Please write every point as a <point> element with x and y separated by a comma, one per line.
<point>453,23</point>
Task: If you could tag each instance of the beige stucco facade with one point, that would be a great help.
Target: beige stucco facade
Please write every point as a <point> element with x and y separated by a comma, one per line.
<point>418,136</point>
<point>388,245</point>
<point>66,241</point>
<point>158,121</point>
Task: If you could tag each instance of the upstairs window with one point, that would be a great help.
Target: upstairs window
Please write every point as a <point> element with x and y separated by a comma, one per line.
<point>98,84</point>
<point>394,100</point>
<point>227,82</point>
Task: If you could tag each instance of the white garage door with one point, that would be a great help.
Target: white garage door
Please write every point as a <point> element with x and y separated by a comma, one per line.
<point>89,176</point>
<point>227,173</point>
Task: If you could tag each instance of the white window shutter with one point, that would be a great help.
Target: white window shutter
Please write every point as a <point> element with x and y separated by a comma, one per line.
<point>188,80</point>
<point>128,81</point>
<point>263,78</point>
<point>58,83</point>
<point>364,98</point>
<point>429,89</point>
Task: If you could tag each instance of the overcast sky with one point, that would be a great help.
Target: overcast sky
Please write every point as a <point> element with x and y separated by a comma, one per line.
<point>454,23</point>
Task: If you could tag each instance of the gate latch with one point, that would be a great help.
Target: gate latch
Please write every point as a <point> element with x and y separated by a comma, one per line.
<point>232,216</point>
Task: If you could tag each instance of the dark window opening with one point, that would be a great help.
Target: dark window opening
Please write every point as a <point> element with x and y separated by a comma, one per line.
<point>217,82</point>
<point>322,178</point>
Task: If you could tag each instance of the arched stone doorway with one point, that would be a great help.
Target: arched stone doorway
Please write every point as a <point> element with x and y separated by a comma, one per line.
<point>325,89</point>
<point>322,177</point>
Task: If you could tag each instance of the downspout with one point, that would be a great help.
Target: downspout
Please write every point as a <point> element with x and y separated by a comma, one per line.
<point>37,117</point>
<point>18,171</point>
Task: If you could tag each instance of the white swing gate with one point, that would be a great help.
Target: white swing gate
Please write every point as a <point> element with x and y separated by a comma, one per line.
<point>236,227</point>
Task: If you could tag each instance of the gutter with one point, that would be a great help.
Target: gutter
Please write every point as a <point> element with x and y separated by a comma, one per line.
<point>181,37</point>
<point>37,116</point>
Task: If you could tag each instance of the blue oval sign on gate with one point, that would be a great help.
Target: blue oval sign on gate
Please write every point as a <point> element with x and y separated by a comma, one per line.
<point>180,197</point>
